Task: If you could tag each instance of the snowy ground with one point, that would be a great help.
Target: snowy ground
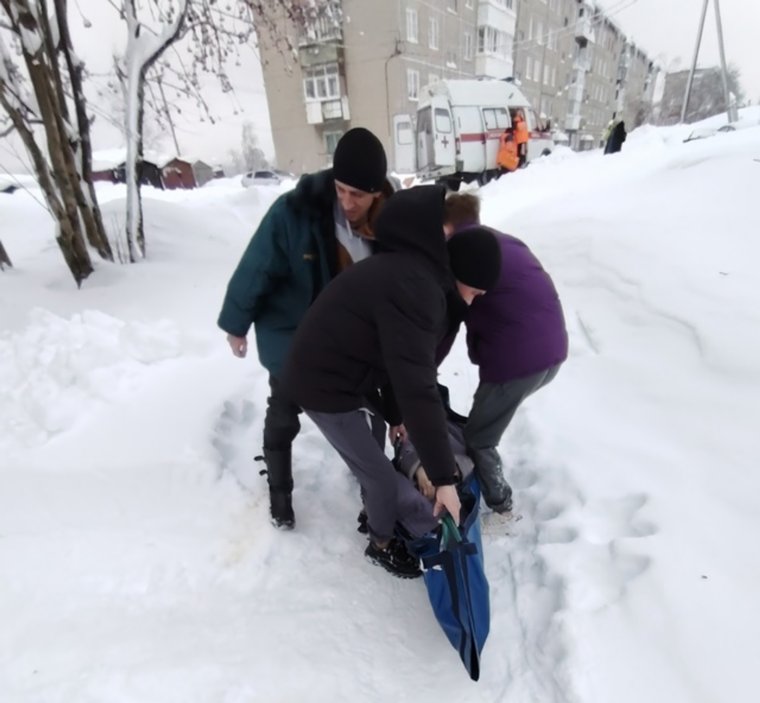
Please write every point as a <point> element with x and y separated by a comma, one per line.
<point>136,560</point>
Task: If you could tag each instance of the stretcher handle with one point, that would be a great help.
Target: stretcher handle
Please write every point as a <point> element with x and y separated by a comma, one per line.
<point>451,532</point>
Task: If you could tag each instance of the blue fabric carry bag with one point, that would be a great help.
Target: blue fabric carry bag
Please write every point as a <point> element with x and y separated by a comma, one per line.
<point>455,578</point>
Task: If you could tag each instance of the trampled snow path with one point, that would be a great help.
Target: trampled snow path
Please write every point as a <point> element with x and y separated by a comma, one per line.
<point>527,655</point>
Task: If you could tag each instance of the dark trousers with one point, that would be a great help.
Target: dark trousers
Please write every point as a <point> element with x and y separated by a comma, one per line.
<point>522,153</point>
<point>493,408</point>
<point>281,424</point>
<point>359,437</point>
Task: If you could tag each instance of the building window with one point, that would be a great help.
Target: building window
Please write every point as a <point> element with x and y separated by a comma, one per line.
<point>551,38</point>
<point>321,82</point>
<point>540,33</point>
<point>547,74</point>
<point>412,84</point>
<point>412,26</point>
<point>451,5</point>
<point>451,58</point>
<point>331,141</point>
<point>467,46</point>
<point>529,68</point>
<point>537,71</point>
<point>492,41</point>
<point>433,33</point>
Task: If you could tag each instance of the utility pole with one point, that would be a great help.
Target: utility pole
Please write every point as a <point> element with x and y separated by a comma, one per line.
<point>730,110</point>
<point>690,80</point>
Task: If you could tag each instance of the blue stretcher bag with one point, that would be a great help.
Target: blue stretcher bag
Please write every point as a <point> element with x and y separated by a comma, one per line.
<point>455,578</point>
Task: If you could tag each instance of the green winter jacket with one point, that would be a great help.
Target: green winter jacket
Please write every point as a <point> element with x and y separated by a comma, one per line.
<point>291,257</point>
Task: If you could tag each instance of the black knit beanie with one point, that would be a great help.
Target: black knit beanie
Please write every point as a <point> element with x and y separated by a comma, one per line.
<point>359,161</point>
<point>475,257</point>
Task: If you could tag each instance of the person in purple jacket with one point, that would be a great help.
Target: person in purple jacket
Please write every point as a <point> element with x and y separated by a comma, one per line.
<point>516,336</point>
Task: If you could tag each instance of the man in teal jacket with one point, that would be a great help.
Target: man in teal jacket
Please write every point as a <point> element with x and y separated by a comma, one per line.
<point>306,238</point>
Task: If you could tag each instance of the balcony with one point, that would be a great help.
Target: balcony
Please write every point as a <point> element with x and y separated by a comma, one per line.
<point>493,66</point>
<point>572,123</point>
<point>582,60</point>
<point>319,112</point>
<point>322,27</point>
<point>584,33</point>
<point>495,14</point>
<point>575,93</point>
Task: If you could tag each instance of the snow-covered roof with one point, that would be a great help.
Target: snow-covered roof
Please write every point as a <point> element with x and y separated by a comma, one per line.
<point>108,159</point>
<point>112,158</point>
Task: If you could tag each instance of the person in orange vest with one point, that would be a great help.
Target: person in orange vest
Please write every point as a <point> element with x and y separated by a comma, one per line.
<point>507,159</point>
<point>521,138</point>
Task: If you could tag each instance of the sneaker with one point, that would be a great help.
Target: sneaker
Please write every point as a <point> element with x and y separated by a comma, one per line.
<point>362,520</point>
<point>281,509</point>
<point>394,558</point>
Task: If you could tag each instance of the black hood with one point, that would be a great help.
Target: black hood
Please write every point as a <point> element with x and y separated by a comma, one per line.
<point>412,221</point>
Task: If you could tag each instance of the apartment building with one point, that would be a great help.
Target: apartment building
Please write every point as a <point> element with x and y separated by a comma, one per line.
<point>363,62</point>
<point>543,54</point>
<point>600,74</point>
<point>637,76</point>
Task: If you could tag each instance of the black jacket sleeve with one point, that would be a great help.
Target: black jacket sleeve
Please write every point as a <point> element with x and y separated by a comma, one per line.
<point>409,322</point>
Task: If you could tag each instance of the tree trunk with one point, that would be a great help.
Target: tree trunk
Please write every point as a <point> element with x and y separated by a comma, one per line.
<point>143,50</point>
<point>59,178</point>
<point>88,206</point>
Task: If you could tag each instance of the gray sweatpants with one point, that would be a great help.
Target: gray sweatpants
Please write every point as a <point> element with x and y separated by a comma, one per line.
<point>359,437</point>
<point>493,408</point>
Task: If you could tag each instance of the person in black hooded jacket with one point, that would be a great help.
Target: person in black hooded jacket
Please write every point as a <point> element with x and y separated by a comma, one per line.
<point>375,325</point>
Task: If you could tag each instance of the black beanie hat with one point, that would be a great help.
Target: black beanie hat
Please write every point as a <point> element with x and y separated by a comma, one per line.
<point>359,161</point>
<point>475,257</point>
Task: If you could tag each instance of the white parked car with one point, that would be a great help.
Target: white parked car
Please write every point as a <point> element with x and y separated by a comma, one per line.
<point>262,178</point>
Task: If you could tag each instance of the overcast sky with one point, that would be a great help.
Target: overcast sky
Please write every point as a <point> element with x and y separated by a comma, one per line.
<point>667,31</point>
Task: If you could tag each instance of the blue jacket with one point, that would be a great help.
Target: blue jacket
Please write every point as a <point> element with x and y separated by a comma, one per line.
<point>289,260</point>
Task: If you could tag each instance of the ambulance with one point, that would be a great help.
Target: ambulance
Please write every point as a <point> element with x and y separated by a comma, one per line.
<point>458,125</point>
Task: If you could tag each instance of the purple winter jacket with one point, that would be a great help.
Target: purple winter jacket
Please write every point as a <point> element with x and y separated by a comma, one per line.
<point>517,328</point>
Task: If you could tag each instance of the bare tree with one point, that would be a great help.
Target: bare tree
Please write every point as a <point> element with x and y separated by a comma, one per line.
<point>707,96</point>
<point>213,31</point>
<point>253,156</point>
<point>41,85</point>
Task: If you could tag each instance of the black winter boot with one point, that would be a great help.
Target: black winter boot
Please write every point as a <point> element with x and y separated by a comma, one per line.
<point>280,478</point>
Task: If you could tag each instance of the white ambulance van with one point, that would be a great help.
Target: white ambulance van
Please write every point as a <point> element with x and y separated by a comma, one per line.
<point>459,122</point>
